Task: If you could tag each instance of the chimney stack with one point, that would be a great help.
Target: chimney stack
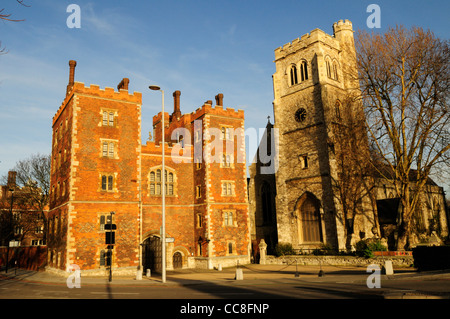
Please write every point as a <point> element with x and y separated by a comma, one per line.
<point>219,99</point>
<point>72,65</point>
<point>176,104</point>
<point>123,85</point>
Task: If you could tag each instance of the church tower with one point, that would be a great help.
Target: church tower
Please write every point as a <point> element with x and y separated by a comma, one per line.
<point>314,74</point>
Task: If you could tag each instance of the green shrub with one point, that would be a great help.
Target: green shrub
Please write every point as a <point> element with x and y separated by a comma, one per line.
<point>365,248</point>
<point>284,249</point>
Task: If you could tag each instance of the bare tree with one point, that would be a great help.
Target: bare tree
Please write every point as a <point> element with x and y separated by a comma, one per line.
<point>33,175</point>
<point>7,17</point>
<point>404,78</point>
<point>353,184</point>
<point>31,196</point>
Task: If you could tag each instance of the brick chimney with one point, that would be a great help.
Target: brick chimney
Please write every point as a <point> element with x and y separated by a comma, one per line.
<point>219,99</point>
<point>176,105</point>
<point>123,85</point>
<point>72,65</point>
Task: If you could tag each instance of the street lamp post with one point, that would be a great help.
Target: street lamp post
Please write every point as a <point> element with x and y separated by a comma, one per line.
<point>163,189</point>
<point>110,245</point>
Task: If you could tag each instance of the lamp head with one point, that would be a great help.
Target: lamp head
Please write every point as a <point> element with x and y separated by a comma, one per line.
<point>154,87</point>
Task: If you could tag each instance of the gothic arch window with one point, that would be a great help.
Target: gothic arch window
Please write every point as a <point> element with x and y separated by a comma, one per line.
<point>328,66</point>
<point>303,71</point>
<point>332,68</point>
<point>266,202</point>
<point>293,75</point>
<point>335,71</point>
<point>308,212</point>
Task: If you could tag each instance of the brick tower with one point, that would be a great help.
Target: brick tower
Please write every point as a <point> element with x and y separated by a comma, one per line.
<point>95,166</point>
<point>99,166</point>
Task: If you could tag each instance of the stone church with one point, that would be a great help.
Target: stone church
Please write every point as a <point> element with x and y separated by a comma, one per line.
<point>315,146</point>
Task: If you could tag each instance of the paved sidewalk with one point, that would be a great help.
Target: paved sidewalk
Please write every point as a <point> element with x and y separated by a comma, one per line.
<point>251,273</point>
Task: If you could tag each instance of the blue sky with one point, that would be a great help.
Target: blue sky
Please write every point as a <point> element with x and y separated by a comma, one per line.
<point>198,47</point>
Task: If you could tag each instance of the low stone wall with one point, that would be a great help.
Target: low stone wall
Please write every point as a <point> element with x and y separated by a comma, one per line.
<point>214,262</point>
<point>312,260</point>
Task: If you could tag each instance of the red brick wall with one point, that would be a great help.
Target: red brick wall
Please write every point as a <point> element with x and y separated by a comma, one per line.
<point>79,210</point>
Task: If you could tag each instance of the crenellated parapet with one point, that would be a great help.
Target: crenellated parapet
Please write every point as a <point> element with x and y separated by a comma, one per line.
<point>316,35</point>
<point>95,91</point>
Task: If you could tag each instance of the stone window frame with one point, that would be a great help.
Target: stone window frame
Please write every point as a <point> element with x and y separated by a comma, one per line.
<point>109,117</point>
<point>304,161</point>
<point>332,68</point>
<point>226,160</point>
<point>171,181</point>
<point>111,145</point>
<point>230,188</point>
<point>198,191</point>
<point>103,219</point>
<point>226,132</point>
<point>293,75</point>
<point>199,220</point>
<point>102,258</point>
<point>297,72</point>
<point>111,182</point>
<point>229,218</point>
<point>232,244</point>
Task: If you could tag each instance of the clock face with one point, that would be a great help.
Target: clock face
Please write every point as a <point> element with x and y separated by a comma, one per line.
<point>300,115</point>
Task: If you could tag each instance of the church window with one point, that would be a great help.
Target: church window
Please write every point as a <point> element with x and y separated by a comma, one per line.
<point>335,74</point>
<point>266,201</point>
<point>293,75</point>
<point>303,71</point>
<point>310,221</point>
<point>198,191</point>
<point>328,65</point>
<point>303,161</point>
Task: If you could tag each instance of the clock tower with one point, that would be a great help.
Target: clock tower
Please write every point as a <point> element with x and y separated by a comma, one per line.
<point>314,75</point>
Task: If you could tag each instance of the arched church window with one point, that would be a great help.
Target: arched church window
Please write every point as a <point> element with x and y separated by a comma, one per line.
<point>304,71</point>
<point>294,75</point>
<point>266,202</point>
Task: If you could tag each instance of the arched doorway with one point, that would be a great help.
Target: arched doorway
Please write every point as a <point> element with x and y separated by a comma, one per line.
<point>151,253</point>
<point>177,260</point>
<point>308,212</point>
